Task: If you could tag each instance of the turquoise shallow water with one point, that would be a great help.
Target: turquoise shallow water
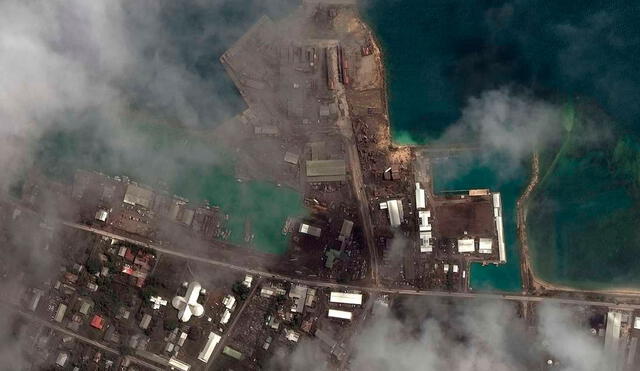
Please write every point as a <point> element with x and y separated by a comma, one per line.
<point>196,33</point>
<point>438,53</point>
<point>459,173</point>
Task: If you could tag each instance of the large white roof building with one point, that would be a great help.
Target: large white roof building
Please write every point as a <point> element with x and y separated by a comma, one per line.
<point>188,305</point>
<point>345,298</point>
<point>206,352</point>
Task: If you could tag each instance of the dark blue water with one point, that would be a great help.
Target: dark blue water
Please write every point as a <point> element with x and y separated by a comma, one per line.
<point>438,53</point>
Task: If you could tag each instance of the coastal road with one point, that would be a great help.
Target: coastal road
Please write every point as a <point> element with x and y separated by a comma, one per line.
<point>346,128</point>
<point>375,289</point>
<point>32,317</point>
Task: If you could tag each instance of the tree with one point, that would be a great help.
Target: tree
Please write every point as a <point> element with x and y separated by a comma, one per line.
<point>195,333</point>
<point>170,324</point>
<point>147,292</point>
<point>240,290</point>
<point>93,265</point>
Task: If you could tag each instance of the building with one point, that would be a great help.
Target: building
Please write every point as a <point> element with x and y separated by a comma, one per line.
<point>423,220</point>
<point>177,364</point>
<point>497,213</point>
<point>421,199</point>
<point>157,302</point>
<point>85,306</point>
<point>62,359</point>
<point>326,170</point>
<point>291,335</point>
<point>396,214</point>
<point>102,215</point>
<point>485,246</point>
<point>188,305</point>
<point>291,158</point>
<point>345,298</point>
<point>342,314</point>
<point>206,352</point>
<point>226,315</point>
<point>229,302</point>
<point>248,279</point>
<point>425,242</point>
<point>35,299</point>
<point>145,322</point>
<point>138,196</point>
<point>299,295</point>
<point>232,353</point>
<point>345,230</point>
<point>97,322</point>
<point>62,308</point>
<point>310,230</point>
<point>466,245</point>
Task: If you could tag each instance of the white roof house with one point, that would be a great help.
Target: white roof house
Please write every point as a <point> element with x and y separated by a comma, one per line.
<point>497,212</point>
<point>206,352</point>
<point>345,298</point>
<point>342,314</point>
<point>225,317</point>
<point>229,301</point>
<point>62,308</point>
<point>612,332</point>
<point>102,215</point>
<point>248,279</point>
<point>425,242</point>
<point>62,359</point>
<point>311,230</point>
<point>421,200</point>
<point>188,305</point>
<point>423,219</point>
<point>466,245</point>
<point>396,214</point>
<point>175,363</point>
<point>485,246</point>
<point>291,335</point>
<point>157,302</point>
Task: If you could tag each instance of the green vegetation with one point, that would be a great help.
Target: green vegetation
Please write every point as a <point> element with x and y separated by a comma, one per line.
<point>170,324</point>
<point>240,290</point>
<point>93,265</point>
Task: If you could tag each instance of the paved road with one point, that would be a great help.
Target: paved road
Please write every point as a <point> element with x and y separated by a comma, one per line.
<point>346,128</point>
<point>377,289</point>
<point>34,318</point>
<point>229,331</point>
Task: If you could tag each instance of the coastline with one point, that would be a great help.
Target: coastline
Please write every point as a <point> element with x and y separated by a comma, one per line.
<point>531,281</point>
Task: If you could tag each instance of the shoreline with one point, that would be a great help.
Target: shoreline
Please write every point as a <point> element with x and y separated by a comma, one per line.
<point>531,281</point>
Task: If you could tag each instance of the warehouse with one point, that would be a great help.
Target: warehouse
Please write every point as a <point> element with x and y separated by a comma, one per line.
<point>326,170</point>
<point>396,214</point>
<point>139,196</point>
<point>345,298</point>
<point>421,200</point>
<point>466,245</point>
<point>485,246</point>
<point>342,314</point>
<point>212,341</point>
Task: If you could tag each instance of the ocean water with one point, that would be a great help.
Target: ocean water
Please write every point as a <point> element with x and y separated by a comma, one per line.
<point>438,53</point>
<point>465,172</point>
<point>153,148</point>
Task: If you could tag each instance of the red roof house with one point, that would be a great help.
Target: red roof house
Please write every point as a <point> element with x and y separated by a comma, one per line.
<point>97,322</point>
